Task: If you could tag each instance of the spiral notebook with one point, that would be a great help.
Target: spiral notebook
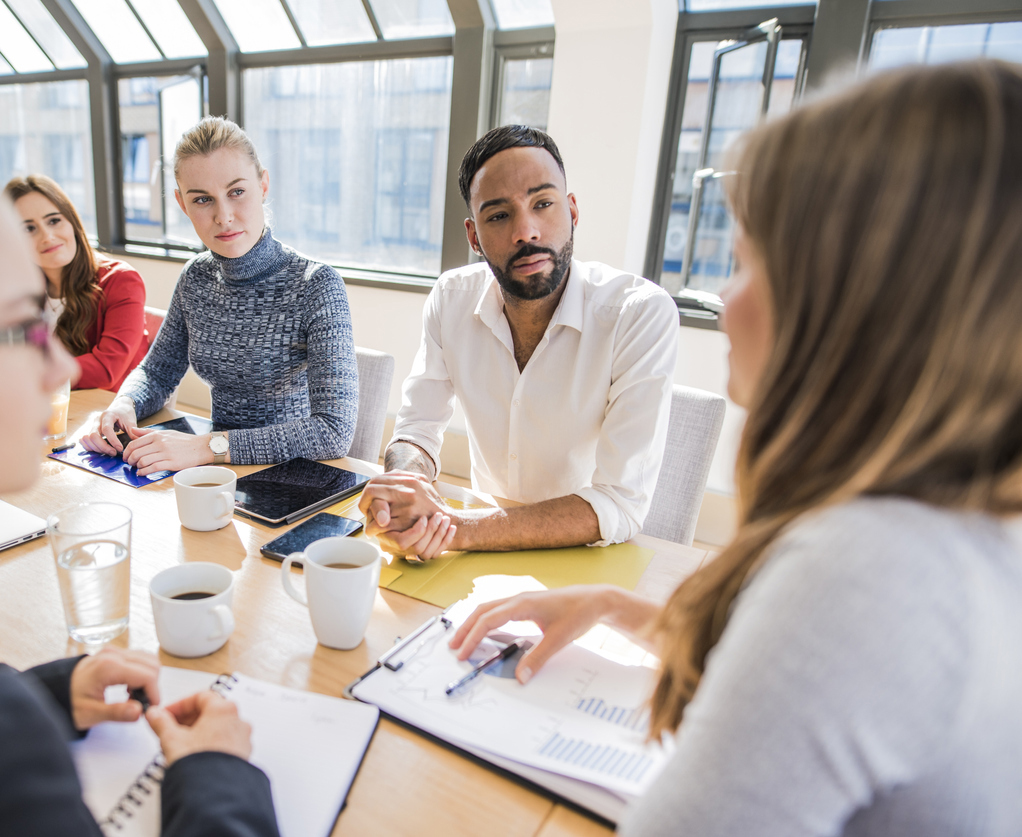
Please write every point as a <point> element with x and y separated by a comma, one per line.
<point>309,745</point>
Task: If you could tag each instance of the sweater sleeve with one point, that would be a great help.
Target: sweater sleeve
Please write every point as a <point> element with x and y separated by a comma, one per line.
<point>332,380</point>
<point>835,682</point>
<point>154,379</point>
<point>123,300</point>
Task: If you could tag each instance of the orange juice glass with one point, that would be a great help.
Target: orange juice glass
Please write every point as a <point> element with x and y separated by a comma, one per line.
<point>56,428</point>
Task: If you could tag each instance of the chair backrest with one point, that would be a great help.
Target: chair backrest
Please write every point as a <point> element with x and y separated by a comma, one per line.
<point>692,433</point>
<point>153,320</point>
<point>375,375</point>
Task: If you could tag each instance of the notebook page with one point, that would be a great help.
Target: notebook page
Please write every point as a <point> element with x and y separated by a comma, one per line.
<point>309,745</point>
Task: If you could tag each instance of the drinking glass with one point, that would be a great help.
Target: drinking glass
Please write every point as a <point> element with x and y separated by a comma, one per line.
<point>56,428</point>
<point>92,546</point>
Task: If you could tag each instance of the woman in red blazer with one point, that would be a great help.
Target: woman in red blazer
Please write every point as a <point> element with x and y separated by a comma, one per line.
<point>99,302</point>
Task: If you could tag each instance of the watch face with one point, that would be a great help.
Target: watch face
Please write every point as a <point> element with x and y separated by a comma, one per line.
<point>219,444</point>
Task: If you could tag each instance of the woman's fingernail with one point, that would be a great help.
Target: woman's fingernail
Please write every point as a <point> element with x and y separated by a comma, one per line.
<point>525,675</point>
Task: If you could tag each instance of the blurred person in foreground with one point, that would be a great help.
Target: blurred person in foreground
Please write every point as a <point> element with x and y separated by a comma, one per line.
<point>850,663</point>
<point>209,787</point>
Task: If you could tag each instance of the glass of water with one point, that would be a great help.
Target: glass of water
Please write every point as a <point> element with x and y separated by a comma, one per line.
<point>92,546</point>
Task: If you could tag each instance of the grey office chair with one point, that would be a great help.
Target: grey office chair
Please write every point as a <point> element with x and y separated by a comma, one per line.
<point>375,375</point>
<point>692,433</point>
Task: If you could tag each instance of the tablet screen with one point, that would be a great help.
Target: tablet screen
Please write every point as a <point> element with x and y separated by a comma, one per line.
<point>285,491</point>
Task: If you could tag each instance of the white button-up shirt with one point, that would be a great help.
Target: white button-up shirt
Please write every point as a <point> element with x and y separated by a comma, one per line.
<point>588,414</point>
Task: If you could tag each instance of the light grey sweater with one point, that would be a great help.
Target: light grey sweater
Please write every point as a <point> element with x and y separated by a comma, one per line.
<point>869,682</point>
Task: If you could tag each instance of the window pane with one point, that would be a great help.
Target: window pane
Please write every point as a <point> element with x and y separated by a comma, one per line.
<point>413,18</point>
<point>170,26</point>
<point>46,31</point>
<point>525,97</point>
<point>118,30</point>
<point>259,25</point>
<point>18,47</point>
<point>717,5</point>
<point>522,14</point>
<point>692,121</point>
<point>154,113</point>
<point>357,154</point>
<point>332,21</point>
<point>5,68</point>
<point>936,44</point>
<point>44,129</point>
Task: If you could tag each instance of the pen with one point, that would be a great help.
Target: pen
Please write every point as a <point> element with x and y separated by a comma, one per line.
<point>141,697</point>
<point>509,650</point>
<point>68,446</point>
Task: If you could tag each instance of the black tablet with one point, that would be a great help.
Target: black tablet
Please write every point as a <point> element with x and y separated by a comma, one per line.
<point>294,489</point>
<point>322,525</point>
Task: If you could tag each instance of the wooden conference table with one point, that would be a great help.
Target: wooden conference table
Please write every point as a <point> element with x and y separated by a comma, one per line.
<point>407,784</point>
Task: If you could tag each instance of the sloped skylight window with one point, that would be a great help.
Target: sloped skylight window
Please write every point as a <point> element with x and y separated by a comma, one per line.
<point>17,46</point>
<point>118,30</point>
<point>259,25</point>
<point>332,21</point>
<point>523,14</point>
<point>47,33</point>
<point>413,18</point>
<point>169,25</point>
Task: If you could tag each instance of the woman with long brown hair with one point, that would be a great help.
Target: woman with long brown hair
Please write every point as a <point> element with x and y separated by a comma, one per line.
<point>852,662</point>
<point>99,303</point>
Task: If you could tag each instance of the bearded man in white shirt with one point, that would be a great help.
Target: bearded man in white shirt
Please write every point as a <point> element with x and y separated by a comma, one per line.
<point>562,368</point>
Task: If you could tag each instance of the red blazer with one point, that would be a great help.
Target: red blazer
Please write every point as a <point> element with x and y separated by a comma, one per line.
<point>117,339</point>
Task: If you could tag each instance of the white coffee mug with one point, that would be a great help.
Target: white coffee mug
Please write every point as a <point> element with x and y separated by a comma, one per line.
<point>340,600</point>
<point>205,497</point>
<point>192,608</point>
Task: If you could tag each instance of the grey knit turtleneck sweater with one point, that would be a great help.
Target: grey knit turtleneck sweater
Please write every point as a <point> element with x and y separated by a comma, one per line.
<point>270,332</point>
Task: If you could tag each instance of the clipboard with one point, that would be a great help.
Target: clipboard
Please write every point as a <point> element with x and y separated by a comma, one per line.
<point>600,803</point>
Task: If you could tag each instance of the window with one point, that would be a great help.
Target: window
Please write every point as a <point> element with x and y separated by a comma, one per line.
<point>525,92</point>
<point>738,97</point>
<point>360,181</point>
<point>38,138</point>
<point>154,112</point>
<point>893,47</point>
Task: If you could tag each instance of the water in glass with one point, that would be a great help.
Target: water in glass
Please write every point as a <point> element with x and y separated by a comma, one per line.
<point>94,584</point>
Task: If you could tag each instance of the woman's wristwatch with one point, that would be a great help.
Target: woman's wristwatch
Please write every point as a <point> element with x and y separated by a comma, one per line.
<point>219,445</point>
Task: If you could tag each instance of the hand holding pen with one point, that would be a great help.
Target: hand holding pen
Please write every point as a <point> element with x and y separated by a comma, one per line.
<point>505,653</point>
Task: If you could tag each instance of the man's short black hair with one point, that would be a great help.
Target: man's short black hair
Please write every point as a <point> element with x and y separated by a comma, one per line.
<point>501,139</point>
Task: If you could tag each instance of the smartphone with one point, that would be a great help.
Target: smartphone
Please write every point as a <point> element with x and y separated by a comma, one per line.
<point>322,525</point>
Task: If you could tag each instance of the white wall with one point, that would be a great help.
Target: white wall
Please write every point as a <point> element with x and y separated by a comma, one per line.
<point>607,102</point>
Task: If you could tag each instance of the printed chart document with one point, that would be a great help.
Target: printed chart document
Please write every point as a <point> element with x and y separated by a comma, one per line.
<point>309,745</point>
<point>578,728</point>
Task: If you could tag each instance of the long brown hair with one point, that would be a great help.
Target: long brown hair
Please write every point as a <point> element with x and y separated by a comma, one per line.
<point>890,223</point>
<point>79,289</point>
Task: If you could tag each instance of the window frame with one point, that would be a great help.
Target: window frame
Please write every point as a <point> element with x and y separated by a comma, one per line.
<point>476,47</point>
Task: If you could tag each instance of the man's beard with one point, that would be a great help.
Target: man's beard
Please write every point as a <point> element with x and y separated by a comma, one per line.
<point>536,286</point>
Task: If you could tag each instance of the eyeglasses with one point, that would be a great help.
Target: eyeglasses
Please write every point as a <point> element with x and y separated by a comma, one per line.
<point>35,332</point>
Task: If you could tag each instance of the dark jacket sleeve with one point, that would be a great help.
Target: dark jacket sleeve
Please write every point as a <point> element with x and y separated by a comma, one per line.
<point>39,790</point>
<point>217,795</point>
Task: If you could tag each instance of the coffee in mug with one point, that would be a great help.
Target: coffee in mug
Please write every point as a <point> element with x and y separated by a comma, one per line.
<point>192,608</point>
<point>205,497</point>
<point>341,577</point>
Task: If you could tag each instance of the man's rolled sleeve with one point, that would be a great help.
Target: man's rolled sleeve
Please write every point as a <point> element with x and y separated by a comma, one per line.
<point>634,432</point>
<point>427,397</point>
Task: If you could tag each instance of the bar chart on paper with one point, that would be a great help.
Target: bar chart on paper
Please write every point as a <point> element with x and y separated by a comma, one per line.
<point>627,765</point>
